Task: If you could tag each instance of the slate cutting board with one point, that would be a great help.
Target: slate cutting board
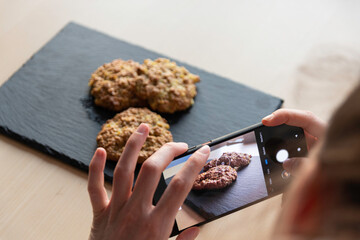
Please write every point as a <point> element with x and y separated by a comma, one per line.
<point>46,103</point>
<point>248,187</point>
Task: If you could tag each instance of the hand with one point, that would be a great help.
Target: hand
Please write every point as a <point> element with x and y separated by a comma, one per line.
<point>292,165</point>
<point>129,213</point>
<point>313,126</point>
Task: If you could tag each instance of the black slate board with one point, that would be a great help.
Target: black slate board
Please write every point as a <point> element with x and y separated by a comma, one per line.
<point>248,187</point>
<point>46,103</point>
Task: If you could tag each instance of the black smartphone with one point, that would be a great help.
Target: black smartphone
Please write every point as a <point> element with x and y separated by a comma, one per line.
<point>261,177</point>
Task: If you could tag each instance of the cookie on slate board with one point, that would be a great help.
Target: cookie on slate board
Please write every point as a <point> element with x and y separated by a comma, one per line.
<point>167,87</point>
<point>113,85</point>
<point>116,131</point>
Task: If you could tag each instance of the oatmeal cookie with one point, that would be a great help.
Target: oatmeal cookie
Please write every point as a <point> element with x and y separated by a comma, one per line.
<point>116,131</point>
<point>113,85</point>
<point>167,87</point>
<point>217,177</point>
<point>236,160</point>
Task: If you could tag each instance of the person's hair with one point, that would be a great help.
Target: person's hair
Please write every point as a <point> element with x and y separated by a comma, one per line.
<point>339,160</point>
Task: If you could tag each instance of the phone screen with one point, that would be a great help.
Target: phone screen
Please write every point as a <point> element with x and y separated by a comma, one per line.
<point>256,155</point>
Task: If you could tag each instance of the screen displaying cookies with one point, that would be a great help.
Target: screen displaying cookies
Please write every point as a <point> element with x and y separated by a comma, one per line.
<point>236,174</point>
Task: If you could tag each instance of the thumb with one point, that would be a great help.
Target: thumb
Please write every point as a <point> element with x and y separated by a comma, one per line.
<point>189,234</point>
<point>292,165</point>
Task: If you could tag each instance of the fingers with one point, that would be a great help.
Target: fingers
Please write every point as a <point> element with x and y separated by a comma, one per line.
<point>189,234</point>
<point>98,196</point>
<point>152,169</point>
<point>292,165</point>
<point>304,119</point>
<point>124,170</point>
<point>181,183</point>
<point>310,140</point>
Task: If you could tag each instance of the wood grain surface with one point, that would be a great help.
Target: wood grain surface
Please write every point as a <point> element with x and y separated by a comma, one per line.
<point>258,43</point>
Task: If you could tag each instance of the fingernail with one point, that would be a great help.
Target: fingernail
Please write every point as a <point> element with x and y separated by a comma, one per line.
<point>142,128</point>
<point>194,233</point>
<point>190,233</point>
<point>204,149</point>
<point>185,145</point>
<point>99,152</point>
<point>268,117</point>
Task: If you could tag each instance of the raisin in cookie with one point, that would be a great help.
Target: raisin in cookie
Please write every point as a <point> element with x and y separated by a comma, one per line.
<point>113,85</point>
<point>167,87</point>
<point>116,131</point>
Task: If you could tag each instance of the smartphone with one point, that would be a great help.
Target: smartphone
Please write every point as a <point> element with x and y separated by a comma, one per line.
<point>266,148</point>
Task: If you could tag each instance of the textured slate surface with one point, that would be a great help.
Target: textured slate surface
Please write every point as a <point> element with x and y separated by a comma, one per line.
<point>46,103</point>
<point>248,187</point>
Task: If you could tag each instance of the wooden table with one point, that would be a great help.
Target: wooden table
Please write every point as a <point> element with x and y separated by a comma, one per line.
<point>258,43</point>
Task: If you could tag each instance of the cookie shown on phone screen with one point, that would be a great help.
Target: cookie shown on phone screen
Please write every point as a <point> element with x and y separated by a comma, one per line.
<point>215,178</point>
<point>236,160</point>
<point>167,87</point>
<point>116,131</point>
<point>113,85</point>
